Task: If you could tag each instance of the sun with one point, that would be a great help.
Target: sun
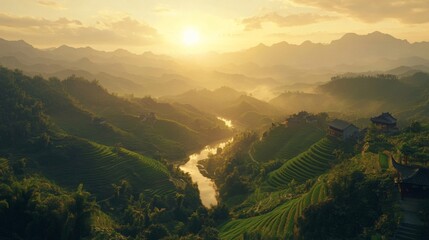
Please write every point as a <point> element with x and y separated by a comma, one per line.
<point>190,36</point>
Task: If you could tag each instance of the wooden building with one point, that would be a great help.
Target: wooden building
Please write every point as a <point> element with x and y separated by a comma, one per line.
<point>342,129</point>
<point>385,122</point>
<point>413,181</point>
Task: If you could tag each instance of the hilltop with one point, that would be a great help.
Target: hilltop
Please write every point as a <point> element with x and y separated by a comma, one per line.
<point>240,107</point>
<point>103,164</point>
<point>363,95</point>
<point>294,182</point>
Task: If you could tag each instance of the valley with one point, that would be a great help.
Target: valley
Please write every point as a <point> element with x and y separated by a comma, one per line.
<point>285,141</point>
<point>206,186</point>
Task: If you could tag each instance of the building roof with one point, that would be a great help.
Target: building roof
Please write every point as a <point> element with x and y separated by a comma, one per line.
<point>385,118</point>
<point>404,170</point>
<point>412,174</point>
<point>340,124</point>
<point>420,177</point>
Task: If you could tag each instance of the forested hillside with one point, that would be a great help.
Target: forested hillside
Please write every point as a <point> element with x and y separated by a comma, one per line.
<point>245,110</point>
<point>59,136</point>
<point>203,120</point>
<point>363,95</point>
<point>296,183</point>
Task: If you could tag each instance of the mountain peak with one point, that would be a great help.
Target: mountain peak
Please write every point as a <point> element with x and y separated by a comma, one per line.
<point>23,43</point>
<point>16,43</point>
<point>349,36</point>
<point>370,38</point>
<point>260,46</point>
<point>380,35</point>
<point>281,44</point>
<point>63,47</point>
<point>307,43</point>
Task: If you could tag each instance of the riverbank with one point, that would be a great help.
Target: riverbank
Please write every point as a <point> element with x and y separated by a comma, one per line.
<point>206,186</point>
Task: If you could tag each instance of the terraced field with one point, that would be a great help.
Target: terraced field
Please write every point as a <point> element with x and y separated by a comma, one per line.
<point>98,167</point>
<point>309,164</point>
<point>280,222</point>
<point>286,142</point>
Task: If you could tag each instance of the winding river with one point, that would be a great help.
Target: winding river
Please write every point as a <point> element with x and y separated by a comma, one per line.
<point>206,186</point>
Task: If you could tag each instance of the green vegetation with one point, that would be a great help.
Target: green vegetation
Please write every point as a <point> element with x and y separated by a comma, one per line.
<point>278,223</point>
<point>246,111</point>
<point>84,109</point>
<point>368,88</point>
<point>265,197</point>
<point>61,137</point>
<point>99,166</point>
<point>330,178</point>
<point>353,188</point>
<point>84,142</point>
<point>383,160</point>
<point>283,143</point>
<point>21,116</point>
<point>309,164</point>
<point>35,208</point>
<point>360,205</point>
<point>365,95</point>
<point>413,144</point>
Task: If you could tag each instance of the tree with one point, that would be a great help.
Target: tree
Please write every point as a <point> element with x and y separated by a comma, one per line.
<point>406,151</point>
<point>342,215</point>
<point>156,232</point>
<point>219,213</point>
<point>415,127</point>
<point>195,223</point>
<point>209,233</point>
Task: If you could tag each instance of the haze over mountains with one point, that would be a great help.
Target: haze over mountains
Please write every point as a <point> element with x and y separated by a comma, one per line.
<point>265,71</point>
<point>347,53</point>
<point>87,124</point>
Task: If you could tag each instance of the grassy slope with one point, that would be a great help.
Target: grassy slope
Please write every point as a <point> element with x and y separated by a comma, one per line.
<point>73,161</point>
<point>73,104</point>
<point>279,143</point>
<point>177,128</point>
<point>277,217</point>
<point>286,142</point>
<point>278,223</point>
<point>309,164</point>
<point>70,160</point>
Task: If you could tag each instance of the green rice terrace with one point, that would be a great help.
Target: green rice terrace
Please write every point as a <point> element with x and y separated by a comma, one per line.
<point>309,164</point>
<point>98,166</point>
<point>272,209</point>
<point>285,142</point>
<point>278,223</point>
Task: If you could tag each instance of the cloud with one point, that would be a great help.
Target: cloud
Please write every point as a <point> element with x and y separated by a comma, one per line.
<point>30,22</point>
<point>406,11</point>
<point>127,24</point>
<point>256,22</point>
<point>163,9</point>
<point>124,31</point>
<point>50,3</point>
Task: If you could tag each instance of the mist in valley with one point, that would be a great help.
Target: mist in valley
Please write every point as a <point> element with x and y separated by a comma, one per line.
<point>187,120</point>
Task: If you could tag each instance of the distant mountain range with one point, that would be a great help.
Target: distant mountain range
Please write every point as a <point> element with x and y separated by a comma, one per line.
<point>315,62</point>
<point>351,52</point>
<point>243,109</point>
<point>264,71</point>
<point>121,71</point>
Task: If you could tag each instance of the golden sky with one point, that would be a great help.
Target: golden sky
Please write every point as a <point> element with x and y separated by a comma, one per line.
<point>221,25</point>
